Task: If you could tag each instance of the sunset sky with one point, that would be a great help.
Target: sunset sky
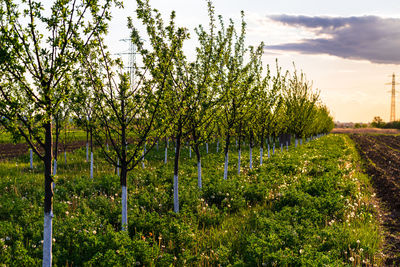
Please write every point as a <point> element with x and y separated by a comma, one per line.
<point>347,48</point>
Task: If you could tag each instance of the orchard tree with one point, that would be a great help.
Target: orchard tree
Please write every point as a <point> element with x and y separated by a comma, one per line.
<point>232,81</point>
<point>38,47</point>
<point>299,102</point>
<point>202,76</point>
<point>170,73</point>
<point>127,113</point>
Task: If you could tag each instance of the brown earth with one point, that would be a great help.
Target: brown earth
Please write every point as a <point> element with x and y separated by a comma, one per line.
<point>365,131</point>
<point>15,150</point>
<point>382,159</point>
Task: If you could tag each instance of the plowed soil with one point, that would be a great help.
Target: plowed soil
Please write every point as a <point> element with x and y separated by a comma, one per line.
<point>15,150</point>
<point>382,158</point>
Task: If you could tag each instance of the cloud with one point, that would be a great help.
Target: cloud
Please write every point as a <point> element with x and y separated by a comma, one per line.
<point>363,38</point>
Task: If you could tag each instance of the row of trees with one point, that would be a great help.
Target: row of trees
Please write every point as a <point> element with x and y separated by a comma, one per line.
<point>54,66</point>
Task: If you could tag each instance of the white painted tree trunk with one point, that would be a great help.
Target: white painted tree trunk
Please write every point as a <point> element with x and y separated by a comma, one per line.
<point>107,147</point>
<point>166,155</point>
<point>251,158</point>
<point>87,152</point>
<point>144,152</point>
<point>239,158</point>
<point>287,146</point>
<point>143,159</point>
<point>295,143</point>
<point>269,154</point>
<point>91,165</point>
<point>199,182</point>
<point>157,145</point>
<point>55,167</point>
<point>47,239</point>
<point>176,197</point>
<point>273,149</point>
<point>217,146</point>
<point>281,147</point>
<point>301,141</point>
<point>190,152</point>
<point>207,148</point>
<point>65,157</point>
<point>31,158</point>
<point>261,155</point>
<point>226,166</point>
<point>117,167</point>
<point>124,208</point>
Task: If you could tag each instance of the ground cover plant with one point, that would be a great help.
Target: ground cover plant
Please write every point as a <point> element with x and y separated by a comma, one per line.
<point>308,206</point>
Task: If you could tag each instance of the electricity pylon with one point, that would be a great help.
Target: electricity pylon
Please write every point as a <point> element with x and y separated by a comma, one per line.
<point>131,59</point>
<point>393,101</point>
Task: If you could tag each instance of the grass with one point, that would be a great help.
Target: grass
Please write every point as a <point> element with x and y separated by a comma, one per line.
<point>308,206</point>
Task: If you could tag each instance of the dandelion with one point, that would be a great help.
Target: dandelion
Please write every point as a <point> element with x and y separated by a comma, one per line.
<point>66,213</point>
<point>94,232</point>
<point>358,241</point>
<point>301,251</point>
<point>351,259</point>
<point>361,250</point>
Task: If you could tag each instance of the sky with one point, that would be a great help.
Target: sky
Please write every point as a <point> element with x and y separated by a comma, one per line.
<point>347,48</point>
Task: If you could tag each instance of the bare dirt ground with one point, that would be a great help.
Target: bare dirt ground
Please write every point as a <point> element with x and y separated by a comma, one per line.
<point>365,131</point>
<point>15,150</point>
<point>382,159</point>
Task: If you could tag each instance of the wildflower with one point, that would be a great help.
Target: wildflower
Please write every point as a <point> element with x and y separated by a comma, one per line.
<point>66,213</point>
<point>351,259</point>
<point>94,232</point>
<point>301,251</point>
<point>361,250</point>
<point>358,241</point>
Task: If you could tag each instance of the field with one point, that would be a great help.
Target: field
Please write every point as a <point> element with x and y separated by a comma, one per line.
<point>309,206</point>
<point>365,131</point>
<point>382,160</point>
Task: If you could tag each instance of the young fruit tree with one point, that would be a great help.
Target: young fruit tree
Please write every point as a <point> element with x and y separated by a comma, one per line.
<point>127,114</point>
<point>202,75</point>
<point>172,74</point>
<point>39,46</point>
<point>299,103</point>
<point>233,81</point>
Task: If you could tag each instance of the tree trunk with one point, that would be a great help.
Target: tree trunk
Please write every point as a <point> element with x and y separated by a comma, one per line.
<point>91,153</point>
<point>48,197</point>
<point>251,150</point>
<point>261,149</point>
<point>176,170</point>
<point>124,195</point>
<point>227,141</point>
<point>166,150</point>
<point>197,150</point>
<point>240,153</point>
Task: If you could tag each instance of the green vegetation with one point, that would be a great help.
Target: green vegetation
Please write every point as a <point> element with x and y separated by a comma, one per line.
<point>309,206</point>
